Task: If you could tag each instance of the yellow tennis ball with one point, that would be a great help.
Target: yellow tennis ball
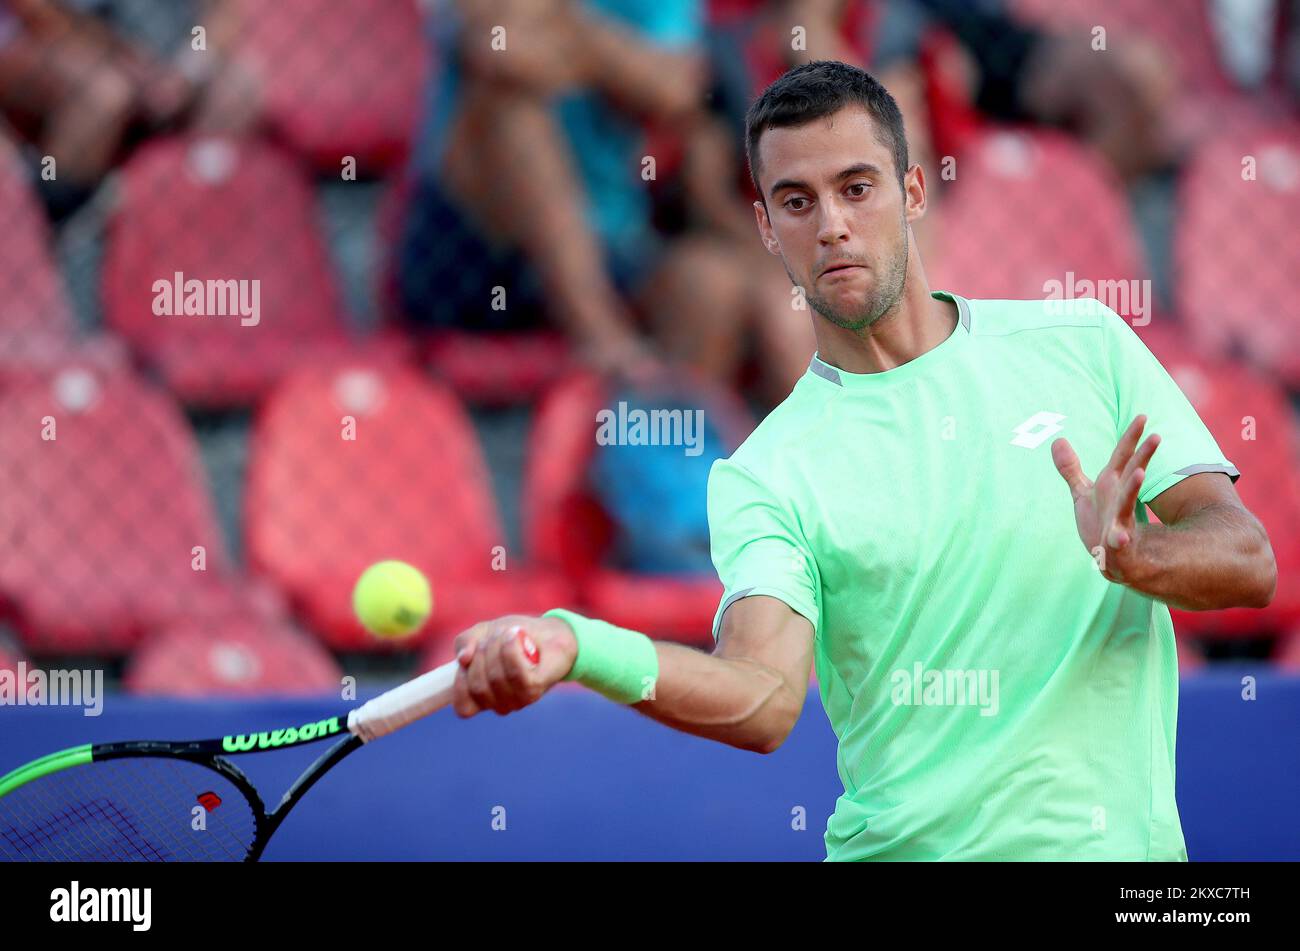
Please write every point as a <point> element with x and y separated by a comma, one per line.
<point>392,599</point>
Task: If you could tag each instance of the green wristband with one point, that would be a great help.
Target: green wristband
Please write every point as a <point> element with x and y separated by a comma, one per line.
<point>620,664</point>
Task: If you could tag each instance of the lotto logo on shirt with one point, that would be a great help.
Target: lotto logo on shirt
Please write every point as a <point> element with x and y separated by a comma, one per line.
<point>1034,431</point>
<point>945,687</point>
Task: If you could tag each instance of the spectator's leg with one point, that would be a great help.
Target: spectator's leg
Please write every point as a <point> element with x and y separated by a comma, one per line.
<point>77,94</point>
<point>232,102</point>
<point>698,300</point>
<point>508,161</point>
<point>1120,103</point>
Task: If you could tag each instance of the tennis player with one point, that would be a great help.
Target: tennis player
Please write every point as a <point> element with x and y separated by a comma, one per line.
<point>948,517</point>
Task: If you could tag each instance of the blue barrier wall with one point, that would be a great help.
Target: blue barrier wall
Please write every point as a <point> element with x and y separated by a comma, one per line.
<point>580,778</point>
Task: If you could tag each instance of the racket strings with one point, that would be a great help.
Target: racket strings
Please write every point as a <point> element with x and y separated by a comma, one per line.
<point>42,837</point>
<point>137,809</point>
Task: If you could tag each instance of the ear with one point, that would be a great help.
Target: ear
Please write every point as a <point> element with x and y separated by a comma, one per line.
<point>914,201</point>
<point>765,229</point>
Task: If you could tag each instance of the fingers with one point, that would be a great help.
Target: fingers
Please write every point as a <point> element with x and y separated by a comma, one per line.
<point>1122,517</point>
<point>1067,464</point>
<point>1142,457</point>
<point>495,674</point>
<point>468,640</point>
<point>461,701</point>
<point>498,668</point>
<point>1127,443</point>
<point>520,670</point>
<point>1106,501</point>
<point>466,647</point>
<point>1125,521</point>
<point>476,677</point>
<point>466,654</point>
<point>515,676</point>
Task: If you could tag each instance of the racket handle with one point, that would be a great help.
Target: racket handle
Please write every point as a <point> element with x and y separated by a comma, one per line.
<point>414,699</point>
<point>395,708</point>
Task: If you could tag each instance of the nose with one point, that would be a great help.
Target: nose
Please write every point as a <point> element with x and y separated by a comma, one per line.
<point>833,227</point>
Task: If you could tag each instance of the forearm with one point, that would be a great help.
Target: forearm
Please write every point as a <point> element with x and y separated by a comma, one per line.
<point>732,696</point>
<point>534,200</point>
<point>731,700</point>
<point>648,80</point>
<point>1218,557</point>
<point>708,171</point>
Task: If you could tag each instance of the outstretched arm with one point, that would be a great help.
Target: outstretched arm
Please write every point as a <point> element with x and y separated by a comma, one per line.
<point>555,46</point>
<point>748,693</point>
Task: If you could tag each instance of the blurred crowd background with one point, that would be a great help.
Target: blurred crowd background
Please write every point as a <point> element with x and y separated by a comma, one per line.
<point>433,240</point>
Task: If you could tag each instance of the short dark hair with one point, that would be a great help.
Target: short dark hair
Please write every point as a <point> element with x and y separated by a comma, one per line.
<point>819,89</point>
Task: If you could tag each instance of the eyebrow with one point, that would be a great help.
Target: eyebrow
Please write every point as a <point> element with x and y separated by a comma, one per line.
<point>858,169</point>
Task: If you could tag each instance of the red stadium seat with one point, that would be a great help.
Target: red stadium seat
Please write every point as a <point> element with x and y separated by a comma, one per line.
<point>27,357</point>
<point>1237,245</point>
<point>1287,655</point>
<point>411,485</point>
<point>1251,419</point>
<point>35,316</point>
<point>102,509</point>
<point>1190,657</point>
<point>243,655</point>
<point>566,528</point>
<point>498,369</point>
<point>219,211</point>
<point>342,80</point>
<point>1029,208</point>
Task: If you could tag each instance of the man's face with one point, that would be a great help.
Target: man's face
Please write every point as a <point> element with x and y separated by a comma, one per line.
<point>836,215</point>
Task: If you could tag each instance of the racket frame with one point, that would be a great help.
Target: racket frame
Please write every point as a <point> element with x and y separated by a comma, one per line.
<point>378,717</point>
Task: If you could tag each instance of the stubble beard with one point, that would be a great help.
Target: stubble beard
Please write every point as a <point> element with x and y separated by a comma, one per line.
<point>879,301</point>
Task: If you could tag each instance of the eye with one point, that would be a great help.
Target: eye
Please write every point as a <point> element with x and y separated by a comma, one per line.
<point>789,203</point>
<point>861,189</point>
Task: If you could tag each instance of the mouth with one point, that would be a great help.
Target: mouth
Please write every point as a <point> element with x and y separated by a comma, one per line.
<point>841,269</point>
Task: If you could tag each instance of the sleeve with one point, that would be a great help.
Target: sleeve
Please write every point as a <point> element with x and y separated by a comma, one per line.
<point>756,545</point>
<point>1142,386</point>
<point>675,24</point>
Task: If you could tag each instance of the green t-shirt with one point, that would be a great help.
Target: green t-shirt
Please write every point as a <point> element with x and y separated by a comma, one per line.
<point>994,696</point>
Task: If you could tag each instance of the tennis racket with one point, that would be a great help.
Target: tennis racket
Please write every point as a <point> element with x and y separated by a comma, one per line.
<point>138,801</point>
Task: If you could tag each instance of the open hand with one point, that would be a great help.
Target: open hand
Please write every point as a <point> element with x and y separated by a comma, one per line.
<point>1105,510</point>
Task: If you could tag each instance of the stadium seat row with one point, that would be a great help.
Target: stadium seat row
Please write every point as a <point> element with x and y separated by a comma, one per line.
<point>112,546</point>
<point>220,215</point>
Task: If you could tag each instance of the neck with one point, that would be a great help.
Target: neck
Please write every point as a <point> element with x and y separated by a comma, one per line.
<point>916,324</point>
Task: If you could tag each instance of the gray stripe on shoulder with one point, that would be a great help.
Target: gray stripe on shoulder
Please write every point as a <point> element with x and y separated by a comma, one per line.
<point>1230,471</point>
<point>743,593</point>
<point>825,372</point>
<point>963,312</point>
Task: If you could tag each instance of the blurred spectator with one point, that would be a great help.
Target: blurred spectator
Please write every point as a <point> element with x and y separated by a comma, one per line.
<point>751,43</point>
<point>1008,71</point>
<point>527,178</point>
<point>1117,99</point>
<point>77,86</point>
<point>1290,53</point>
<point>655,491</point>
